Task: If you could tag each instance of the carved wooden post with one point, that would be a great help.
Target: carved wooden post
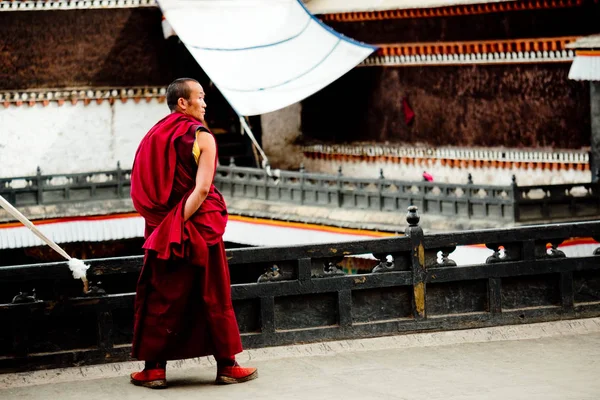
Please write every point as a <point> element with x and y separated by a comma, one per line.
<point>419,270</point>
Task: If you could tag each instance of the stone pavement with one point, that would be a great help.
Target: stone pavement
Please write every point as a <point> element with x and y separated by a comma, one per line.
<point>549,361</point>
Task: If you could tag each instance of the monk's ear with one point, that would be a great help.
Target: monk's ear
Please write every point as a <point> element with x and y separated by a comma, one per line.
<point>182,103</point>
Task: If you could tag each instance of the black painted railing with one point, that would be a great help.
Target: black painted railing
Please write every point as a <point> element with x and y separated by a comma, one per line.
<point>511,203</point>
<point>302,294</point>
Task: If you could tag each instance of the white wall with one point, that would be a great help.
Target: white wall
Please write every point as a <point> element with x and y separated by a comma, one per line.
<point>73,138</point>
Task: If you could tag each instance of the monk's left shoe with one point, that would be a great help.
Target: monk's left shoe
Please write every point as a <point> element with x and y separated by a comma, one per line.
<point>235,374</point>
<point>150,378</point>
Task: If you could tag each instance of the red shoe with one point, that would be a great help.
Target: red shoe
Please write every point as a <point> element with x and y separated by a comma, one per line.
<point>150,378</point>
<point>236,374</point>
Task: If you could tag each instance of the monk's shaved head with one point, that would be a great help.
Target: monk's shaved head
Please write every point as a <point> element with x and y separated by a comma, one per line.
<point>179,88</point>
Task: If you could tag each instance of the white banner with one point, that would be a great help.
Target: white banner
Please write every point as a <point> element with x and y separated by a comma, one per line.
<point>262,55</point>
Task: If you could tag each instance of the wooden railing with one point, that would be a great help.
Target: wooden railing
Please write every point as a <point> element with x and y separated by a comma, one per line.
<point>304,293</point>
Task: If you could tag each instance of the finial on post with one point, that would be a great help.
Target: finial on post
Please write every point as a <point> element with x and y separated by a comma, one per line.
<point>340,171</point>
<point>302,167</point>
<point>514,180</point>
<point>381,173</point>
<point>231,162</point>
<point>470,179</point>
<point>413,217</point>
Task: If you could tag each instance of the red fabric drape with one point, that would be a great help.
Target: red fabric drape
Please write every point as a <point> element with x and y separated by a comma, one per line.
<point>409,114</point>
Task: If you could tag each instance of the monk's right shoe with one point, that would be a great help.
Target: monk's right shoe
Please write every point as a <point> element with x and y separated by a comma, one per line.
<point>235,374</point>
<point>150,378</point>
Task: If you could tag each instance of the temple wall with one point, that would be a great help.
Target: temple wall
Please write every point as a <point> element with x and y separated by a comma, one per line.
<point>280,133</point>
<point>517,106</point>
<point>530,106</point>
<point>73,138</point>
<point>81,48</point>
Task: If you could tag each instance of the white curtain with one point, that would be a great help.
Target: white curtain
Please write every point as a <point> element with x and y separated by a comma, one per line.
<point>586,67</point>
<point>263,55</point>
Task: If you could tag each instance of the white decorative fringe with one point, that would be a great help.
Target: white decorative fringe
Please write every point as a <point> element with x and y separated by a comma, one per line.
<point>78,267</point>
<point>585,68</point>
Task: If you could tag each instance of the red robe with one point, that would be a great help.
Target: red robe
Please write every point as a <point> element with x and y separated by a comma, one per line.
<point>183,303</point>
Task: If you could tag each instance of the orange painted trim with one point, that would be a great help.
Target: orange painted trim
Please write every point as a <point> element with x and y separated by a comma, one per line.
<point>588,53</point>
<point>311,227</point>
<point>476,47</point>
<point>71,219</point>
<point>238,218</point>
<point>451,11</point>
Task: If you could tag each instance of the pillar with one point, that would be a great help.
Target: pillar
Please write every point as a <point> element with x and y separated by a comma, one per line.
<point>595,122</point>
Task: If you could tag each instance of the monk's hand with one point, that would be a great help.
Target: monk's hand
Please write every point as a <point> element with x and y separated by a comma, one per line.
<point>194,201</point>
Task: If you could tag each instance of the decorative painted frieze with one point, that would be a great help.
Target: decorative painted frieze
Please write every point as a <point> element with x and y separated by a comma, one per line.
<point>73,96</point>
<point>452,157</point>
<point>474,52</point>
<point>452,11</point>
<point>32,5</point>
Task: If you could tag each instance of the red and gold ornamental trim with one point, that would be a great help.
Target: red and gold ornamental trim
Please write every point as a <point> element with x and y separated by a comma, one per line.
<point>86,96</point>
<point>474,52</point>
<point>451,11</point>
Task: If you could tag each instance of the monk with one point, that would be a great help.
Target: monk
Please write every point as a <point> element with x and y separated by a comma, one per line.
<point>183,303</point>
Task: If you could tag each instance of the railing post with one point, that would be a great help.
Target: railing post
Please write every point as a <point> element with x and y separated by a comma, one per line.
<point>302,177</point>
<point>380,188</point>
<point>596,189</point>
<point>469,204</point>
<point>230,176</point>
<point>119,180</point>
<point>419,270</point>
<point>515,199</point>
<point>266,178</point>
<point>339,188</point>
<point>12,195</point>
<point>105,331</point>
<point>39,185</point>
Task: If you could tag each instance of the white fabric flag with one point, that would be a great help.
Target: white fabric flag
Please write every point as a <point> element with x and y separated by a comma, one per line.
<point>263,55</point>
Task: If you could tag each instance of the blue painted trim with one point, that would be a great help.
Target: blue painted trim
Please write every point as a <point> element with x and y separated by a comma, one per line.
<point>262,46</point>
<point>334,32</point>
<point>291,79</point>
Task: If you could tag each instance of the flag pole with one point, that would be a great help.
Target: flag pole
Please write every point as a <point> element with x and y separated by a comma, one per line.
<point>77,266</point>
